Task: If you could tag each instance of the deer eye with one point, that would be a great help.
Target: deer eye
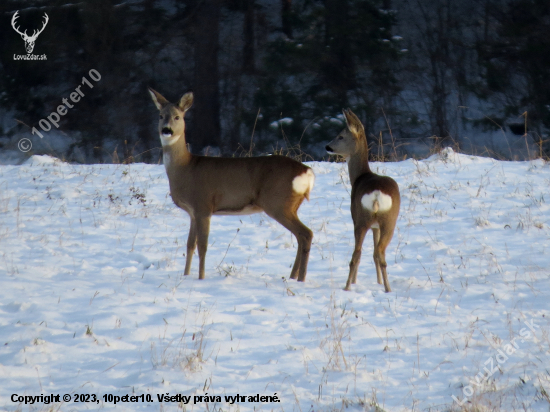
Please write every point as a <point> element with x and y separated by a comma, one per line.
<point>340,137</point>
<point>161,116</point>
<point>177,117</point>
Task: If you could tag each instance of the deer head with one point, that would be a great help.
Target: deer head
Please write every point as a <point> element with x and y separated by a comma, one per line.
<point>29,40</point>
<point>171,119</point>
<point>349,140</point>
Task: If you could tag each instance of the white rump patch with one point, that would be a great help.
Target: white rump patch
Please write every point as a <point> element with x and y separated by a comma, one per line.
<point>303,183</point>
<point>376,202</point>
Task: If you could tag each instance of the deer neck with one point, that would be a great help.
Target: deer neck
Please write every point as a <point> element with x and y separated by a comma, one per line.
<point>358,162</point>
<point>176,155</point>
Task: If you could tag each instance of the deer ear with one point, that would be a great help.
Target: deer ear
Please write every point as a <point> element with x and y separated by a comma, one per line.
<point>354,124</point>
<point>158,99</point>
<point>186,101</point>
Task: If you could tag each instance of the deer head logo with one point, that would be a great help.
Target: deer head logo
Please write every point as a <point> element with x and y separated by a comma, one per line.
<point>29,40</point>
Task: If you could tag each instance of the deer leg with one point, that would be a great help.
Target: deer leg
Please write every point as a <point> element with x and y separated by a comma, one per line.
<point>380,255</point>
<point>359,232</point>
<point>191,245</point>
<point>376,240</point>
<point>304,237</point>
<point>203,229</point>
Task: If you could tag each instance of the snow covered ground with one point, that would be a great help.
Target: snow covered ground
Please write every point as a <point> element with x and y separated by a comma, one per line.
<point>93,299</point>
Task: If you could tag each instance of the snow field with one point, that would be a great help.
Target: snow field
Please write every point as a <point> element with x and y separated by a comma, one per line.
<point>93,299</point>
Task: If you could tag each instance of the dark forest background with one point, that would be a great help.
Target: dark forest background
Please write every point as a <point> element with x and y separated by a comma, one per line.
<point>274,75</point>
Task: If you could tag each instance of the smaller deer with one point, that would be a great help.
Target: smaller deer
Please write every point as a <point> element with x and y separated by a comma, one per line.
<point>204,186</point>
<point>375,199</point>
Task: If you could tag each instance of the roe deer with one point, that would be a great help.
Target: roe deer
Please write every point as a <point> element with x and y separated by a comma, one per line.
<point>205,186</point>
<point>375,199</point>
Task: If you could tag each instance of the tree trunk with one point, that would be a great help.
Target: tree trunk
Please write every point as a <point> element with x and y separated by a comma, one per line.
<point>286,10</point>
<point>206,114</point>
<point>248,31</point>
<point>339,70</point>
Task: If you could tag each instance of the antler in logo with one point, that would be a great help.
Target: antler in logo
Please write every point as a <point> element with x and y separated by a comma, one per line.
<point>29,40</point>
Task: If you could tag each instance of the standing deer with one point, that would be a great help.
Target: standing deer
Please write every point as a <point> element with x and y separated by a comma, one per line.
<point>205,186</point>
<point>29,40</point>
<point>375,199</point>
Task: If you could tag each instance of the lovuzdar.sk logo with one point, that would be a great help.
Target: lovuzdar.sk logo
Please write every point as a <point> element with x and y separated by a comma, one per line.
<point>29,40</point>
